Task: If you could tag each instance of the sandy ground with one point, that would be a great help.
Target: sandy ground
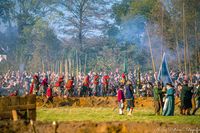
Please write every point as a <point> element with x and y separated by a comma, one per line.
<point>94,102</point>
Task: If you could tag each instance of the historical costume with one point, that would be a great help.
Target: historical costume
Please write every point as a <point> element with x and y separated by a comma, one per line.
<point>158,97</point>
<point>60,86</point>
<point>129,97</point>
<point>105,84</point>
<point>69,87</point>
<point>123,79</point>
<point>35,85</point>
<point>44,85</point>
<point>120,98</point>
<point>95,84</point>
<point>85,86</point>
<point>197,98</point>
<point>168,109</point>
<point>49,96</point>
<point>186,99</point>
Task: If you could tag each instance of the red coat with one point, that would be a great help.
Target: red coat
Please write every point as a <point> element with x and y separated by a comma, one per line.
<point>31,88</point>
<point>86,81</point>
<point>49,92</point>
<point>123,76</point>
<point>69,84</point>
<point>96,80</point>
<point>105,79</point>
<point>35,77</point>
<point>120,95</point>
<point>44,82</point>
<point>58,83</point>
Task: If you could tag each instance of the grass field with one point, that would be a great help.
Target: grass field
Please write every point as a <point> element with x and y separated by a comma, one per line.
<point>107,114</point>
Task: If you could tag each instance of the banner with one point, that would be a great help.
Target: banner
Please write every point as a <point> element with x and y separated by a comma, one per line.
<point>164,74</point>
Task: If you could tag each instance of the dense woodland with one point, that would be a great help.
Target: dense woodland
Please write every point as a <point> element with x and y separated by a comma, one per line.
<point>83,35</point>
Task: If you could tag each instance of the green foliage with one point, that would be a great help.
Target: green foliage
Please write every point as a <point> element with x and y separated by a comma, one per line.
<point>6,8</point>
<point>121,10</point>
<point>143,7</point>
<point>35,40</point>
<point>127,9</point>
<point>168,18</point>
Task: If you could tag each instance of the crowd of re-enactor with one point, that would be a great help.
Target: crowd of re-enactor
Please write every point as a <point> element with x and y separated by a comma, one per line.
<point>124,86</point>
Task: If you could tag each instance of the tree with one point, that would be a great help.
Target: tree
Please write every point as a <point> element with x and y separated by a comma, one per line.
<point>83,18</point>
<point>6,10</point>
<point>167,22</point>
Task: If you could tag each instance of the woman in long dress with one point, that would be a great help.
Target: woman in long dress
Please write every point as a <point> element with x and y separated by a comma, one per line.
<point>168,109</point>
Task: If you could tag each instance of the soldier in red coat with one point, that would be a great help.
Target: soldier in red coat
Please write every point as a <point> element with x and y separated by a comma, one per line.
<point>49,96</point>
<point>44,85</point>
<point>69,87</point>
<point>60,86</point>
<point>95,83</point>
<point>85,86</point>
<point>35,85</point>
<point>105,84</point>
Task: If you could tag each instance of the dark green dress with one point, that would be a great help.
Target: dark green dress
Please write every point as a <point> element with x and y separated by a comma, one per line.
<point>186,97</point>
<point>168,109</point>
<point>158,103</point>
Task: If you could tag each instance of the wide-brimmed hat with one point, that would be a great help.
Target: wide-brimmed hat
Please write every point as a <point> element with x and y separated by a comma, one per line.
<point>169,84</point>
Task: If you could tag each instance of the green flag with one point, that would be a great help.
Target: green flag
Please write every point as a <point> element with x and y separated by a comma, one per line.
<point>125,65</point>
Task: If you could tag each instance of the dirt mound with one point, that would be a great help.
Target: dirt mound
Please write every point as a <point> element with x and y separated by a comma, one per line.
<point>103,127</point>
<point>93,102</point>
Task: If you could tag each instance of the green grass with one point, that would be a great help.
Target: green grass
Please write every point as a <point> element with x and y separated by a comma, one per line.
<point>107,115</point>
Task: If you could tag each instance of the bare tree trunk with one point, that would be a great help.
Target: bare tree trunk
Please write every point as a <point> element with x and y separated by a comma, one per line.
<point>177,45</point>
<point>74,66</point>
<point>55,67</point>
<point>198,60</point>
<point>70,67</point>
<point>184,40</point>
<point>81,23</point>
<point>77,66</point>
<point>61,67</point>
<point>196,45</point>
<point>188,55</point>
<point>162,26</point>
<point>85,64</point>
<point>52,69</point>
<point>178,55</point>
<point>80,68</point>
<point>150,46</point>
<point>138,80</point>
<point>66,70</point>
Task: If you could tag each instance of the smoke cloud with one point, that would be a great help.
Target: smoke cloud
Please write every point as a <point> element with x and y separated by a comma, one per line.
<point>134,31</point>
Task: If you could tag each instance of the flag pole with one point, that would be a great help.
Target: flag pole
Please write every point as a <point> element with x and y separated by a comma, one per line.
<point>150,46</point>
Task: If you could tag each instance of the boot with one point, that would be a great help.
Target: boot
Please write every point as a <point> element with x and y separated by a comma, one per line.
<point>130,112</point>
<point>120,112</point>
<point>194,111</point>
<point>184,112</point>
<point>181,111</point>
<point>188,111</point>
